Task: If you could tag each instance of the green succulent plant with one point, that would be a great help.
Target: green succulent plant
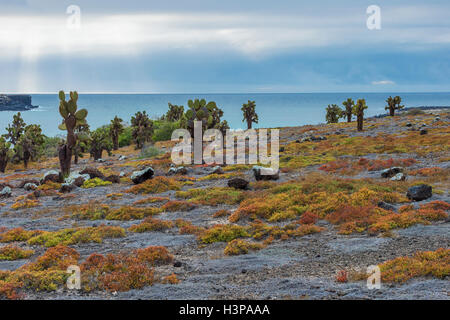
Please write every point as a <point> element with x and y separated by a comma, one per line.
<point>115,129</point>
<point>5,153</point>
<point>28,145</point>
<point>248,110</point>
<point>100,141</point>
<point>334,113</point>
<point>358,111</point>
<point>393,104</point>
<point>174,113</point>
<point>142,129</point>
<point>82,142</point>
<point>348,111</point>
<point>16,129</point>
<point>72,118</point>
<point>208,113</point>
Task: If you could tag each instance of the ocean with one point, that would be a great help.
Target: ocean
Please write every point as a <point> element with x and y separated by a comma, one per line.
<point>274,109</point>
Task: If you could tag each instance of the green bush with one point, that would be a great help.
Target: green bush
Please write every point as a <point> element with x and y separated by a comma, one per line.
<point>125,137</point>
<point>163,130</point>
<point>150,152</point>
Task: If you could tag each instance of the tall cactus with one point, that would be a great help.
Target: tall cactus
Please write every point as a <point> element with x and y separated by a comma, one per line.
<point>208,113</point>
<point>15,131</point>
<point>71,119</point>
<point>249,113</point>
<point>5,153</point>
<point>348,112</point>
<point>115,129</point>
<point>28,145</point>
<point>358,111</point>
<point>174,113</point>
<point>334,113</point>
<point>393,104</point>
<point>142,129</point>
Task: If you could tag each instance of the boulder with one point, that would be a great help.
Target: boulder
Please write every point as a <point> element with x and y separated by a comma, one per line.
<point>409,124</point>
<point>386,206</point>
<point>122,174</point>
<point>79,178</point>
<point>423,132</point>
<point>420,192</point>
<point>142,175</point>
<point>399,177</point>
<point>262,173</point>
<point>30,186</point>
<point>79,181</point>
<point>23,183</point>
<point>100,160</point>
<point>53,176</point>
<point>114,178</point>
<point>67,187</point>
<point>93,173</point>
<point>121,158</point>
<point>238,183</point>
<point>5,193</point>
<point>390,172</point>
<point>217,170</point>
<point>180,170</point>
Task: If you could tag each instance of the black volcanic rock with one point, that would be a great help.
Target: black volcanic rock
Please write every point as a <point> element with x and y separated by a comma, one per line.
<point>15,102</point>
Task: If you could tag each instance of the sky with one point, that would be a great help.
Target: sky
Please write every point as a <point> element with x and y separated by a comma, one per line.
<point>208,46</point>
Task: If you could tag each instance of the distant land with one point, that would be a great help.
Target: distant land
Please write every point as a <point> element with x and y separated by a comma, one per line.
<point>16,102</point>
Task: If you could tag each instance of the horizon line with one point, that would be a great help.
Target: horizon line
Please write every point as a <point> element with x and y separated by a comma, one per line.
<point>211,93</point>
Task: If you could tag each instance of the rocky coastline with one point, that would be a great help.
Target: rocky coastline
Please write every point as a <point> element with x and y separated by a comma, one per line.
<point>16,102</point>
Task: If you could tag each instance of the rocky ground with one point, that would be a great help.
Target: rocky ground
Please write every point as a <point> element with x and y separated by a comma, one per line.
<point>289,267</point>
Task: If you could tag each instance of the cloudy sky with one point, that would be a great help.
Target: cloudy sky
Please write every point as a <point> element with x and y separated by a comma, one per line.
<point>209,46</point>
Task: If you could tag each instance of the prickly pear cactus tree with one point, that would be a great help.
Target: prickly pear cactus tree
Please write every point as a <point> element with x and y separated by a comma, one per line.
<point>358,111</point>
<point>16,129</point>
<point>100,141</point>
<point>115,129</point>
<point>208,113</point>
<point>142,129</point>
<point>348,111</point>
<point>334,113</point>
<point>5,154</point>
<point>72,118</point>
<point>174,113</point>
<point>29,145</point>
<point>249,112</point>
<point>393,104</point>
<point>82,134</point>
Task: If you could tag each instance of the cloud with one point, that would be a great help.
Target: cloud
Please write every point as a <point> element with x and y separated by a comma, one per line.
<point>252,35</point>
<point>383,83</point>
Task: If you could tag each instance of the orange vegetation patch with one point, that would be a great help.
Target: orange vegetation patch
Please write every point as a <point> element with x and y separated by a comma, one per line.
<point>11,252</point>
<point>123,272</point>
<point>156,185</point>
<point>150,200</point>
<point>375,220</point>
<point>427,263</point>
<point>427,172</point>
<point>25,204</point>
<point>363,164</point>
<point>151,224</point>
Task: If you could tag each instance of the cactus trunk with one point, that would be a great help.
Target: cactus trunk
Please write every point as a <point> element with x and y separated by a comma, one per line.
<point>360,119</point>
<point>3,163</point>
<point>65,157</point>
<point>115,140</point>
<point>391,111</point>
